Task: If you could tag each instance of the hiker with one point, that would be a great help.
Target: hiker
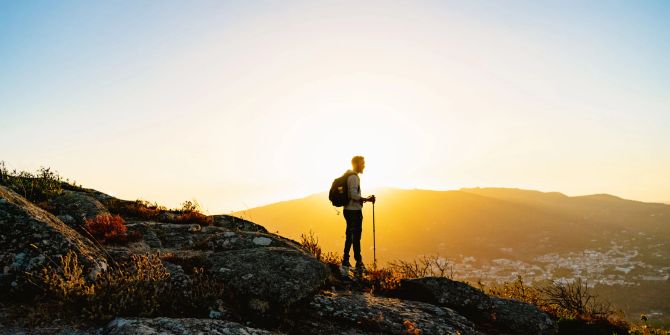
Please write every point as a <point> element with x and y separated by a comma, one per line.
<point>353,212</point>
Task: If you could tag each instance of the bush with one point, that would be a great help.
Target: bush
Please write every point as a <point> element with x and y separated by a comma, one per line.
<point>382,279</point>
<point>189,213</point>
<point>518,290</point>
<point>425,266</point>
<point>130,289</point>
<point>194,217</point>
<point>107,228</point>
<point>575,300</point>
<point>310,243</point>
<point>36,187</point>
<point>140,287</point>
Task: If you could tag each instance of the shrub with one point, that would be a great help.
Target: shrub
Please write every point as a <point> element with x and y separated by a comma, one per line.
<point>425,266</point>
<point>310,243</point>
<point>411,328</point>
<point>129,289</point>
<point>107,228</point>
<point>331,258</point>
<point>138,209</point>
<point>194,217</point>
<point>518,290</point>
<point>36,187</point>
<point>140,287</point>
<point>382,279</point>
<point>575,299</point>
<point>189,213</point>
<point>576,307</point>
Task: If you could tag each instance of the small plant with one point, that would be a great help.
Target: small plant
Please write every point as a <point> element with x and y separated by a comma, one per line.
<point>518,290</point>
<point>140,287</point>
<point>107,229</point>
<point>36,187</point>
<point>425,266</point>
<point>382,279</point>
<point>310,243</point>
<point>194,217</point>
<point>331,258</point>
<point>128,289</point>
<point>411,328</point>
<point>189,213</point>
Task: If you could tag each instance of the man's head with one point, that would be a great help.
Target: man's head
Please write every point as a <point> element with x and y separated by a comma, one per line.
<point>358,164</point>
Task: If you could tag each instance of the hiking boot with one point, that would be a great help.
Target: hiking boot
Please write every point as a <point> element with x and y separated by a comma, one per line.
<point>346,264</point>
<point>360,266</point>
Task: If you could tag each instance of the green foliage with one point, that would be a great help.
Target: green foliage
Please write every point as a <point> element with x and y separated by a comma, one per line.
<point>36,187</point>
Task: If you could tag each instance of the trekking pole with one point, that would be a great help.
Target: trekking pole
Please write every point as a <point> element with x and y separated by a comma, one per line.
<point>374,241</point>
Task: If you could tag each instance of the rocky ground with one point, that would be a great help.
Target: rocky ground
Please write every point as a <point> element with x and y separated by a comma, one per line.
<point>273,286</point>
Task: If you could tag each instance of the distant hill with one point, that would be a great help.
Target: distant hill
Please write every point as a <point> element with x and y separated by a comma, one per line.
<point>473,221</point>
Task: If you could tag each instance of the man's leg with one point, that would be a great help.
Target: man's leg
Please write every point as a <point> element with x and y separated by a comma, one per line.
<point>348,238</point>
<point>357,231</point>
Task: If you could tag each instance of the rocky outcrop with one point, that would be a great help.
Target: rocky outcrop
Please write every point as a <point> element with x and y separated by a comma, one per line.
<point>235,223</point>
<point>73,208</point>
<point>516,317</point>
<point>258,278</point>
<point>363,313</point>
<point>30,237</point>
<point>268,277</point>
<point>168,326</point>
<point>511,316</point>
<point>459,296</point>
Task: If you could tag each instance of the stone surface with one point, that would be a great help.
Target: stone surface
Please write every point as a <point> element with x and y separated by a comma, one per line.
<point>30,237</point>
<point>169,326</point>
<point>73,208</point>
<point>159,235</point>
<point>235,223</point>
<point>516,317</point>
<point>278,276</point>
<point>236,240</point>
<point>363,313</point>
<point>459,296</point>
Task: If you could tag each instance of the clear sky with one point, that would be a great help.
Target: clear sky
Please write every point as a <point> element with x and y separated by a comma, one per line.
<point>243,103</point>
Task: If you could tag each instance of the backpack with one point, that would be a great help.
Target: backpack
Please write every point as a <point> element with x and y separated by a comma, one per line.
<point>339,190</point>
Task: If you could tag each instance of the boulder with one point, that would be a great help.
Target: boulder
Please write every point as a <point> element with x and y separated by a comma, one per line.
<point>169,326</point>
<point>235,223</point>
<point>363,313</point>
<point>267,276</point>
<point>516,317</point>
<point>73,208</point>
<point>236,240</point>
<point>459,296</point>
<point>30,237</point>
<point>158,235</point>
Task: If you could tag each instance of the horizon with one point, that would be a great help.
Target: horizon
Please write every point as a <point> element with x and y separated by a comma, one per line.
<point>238,104</point>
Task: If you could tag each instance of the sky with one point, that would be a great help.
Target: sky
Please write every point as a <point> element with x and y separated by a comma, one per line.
<point>243,103</point>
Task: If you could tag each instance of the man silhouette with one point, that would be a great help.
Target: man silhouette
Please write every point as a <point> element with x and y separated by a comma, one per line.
<point>353,213</point>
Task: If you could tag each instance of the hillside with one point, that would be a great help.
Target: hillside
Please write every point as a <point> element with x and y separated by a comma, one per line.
<point>495,234</point>
<point>78,261</point>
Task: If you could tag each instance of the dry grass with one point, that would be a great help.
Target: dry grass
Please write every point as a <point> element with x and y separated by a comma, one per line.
<point>141,287</point>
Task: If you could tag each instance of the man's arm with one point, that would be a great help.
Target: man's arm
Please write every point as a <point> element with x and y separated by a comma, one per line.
<point>353,183</point>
